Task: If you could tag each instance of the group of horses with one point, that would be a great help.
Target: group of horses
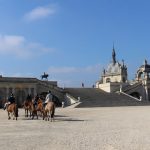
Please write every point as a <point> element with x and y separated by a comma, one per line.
<point>32,110</point>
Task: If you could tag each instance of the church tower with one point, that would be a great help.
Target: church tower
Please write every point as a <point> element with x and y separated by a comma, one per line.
<point>114,76</point>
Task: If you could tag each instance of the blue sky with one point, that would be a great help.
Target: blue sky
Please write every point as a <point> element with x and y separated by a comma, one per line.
<point>72,40</point>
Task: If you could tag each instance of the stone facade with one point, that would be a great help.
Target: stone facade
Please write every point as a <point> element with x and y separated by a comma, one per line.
<point>21,87</point>
<point>115,78</point>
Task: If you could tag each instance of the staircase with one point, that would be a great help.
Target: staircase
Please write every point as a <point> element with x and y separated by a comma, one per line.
<point>93,97</point>
<point>131,87</point>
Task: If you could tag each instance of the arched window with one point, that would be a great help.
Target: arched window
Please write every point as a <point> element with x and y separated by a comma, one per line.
<point>107,80</point>
<point>135,94</point>
<point>140,75</point>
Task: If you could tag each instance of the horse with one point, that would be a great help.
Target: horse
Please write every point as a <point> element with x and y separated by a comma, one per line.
<point>12,110</point>
<point>49,111</point>
<point>33,110</point>
<point>27,106</point>
<point>39,107</point>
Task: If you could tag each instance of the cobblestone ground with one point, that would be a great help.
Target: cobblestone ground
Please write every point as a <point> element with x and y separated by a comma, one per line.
<point>111,128</point>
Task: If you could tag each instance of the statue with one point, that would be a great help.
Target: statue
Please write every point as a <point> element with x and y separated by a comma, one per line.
<point>44,76</point>
<point>145,62</point>
<point>104,71</point>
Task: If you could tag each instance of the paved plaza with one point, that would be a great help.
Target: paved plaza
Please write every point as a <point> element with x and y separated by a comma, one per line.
<point>103,128</point>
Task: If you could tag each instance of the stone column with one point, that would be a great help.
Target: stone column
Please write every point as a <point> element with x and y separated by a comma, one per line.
<point>29,90</point>
<point>35,93</point>
<point>146,92</point>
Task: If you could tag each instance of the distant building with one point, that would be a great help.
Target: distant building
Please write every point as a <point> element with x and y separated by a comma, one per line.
<point>115,78</point>
<point>21,87</point>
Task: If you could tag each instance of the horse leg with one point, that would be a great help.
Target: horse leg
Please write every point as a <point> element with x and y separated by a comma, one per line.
<point>51,115</point>
<point>32,115</point>
<point>13,115</point>
<point>8,115</point>
<point>16,111</point>
<point>27,112</point>
<point>37,114</point>
<point>43,116</point>
<point>48,116</point>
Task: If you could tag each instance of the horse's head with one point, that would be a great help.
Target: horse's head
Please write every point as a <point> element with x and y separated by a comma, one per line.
<point>39,101</point>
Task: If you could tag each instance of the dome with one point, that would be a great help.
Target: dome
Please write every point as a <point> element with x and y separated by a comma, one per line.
<point>114,68</point>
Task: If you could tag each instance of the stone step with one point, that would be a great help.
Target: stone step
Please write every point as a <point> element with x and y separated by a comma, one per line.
<point>93,97</point>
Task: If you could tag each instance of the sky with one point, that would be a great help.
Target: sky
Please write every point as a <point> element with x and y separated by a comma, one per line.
<point>72,40</point>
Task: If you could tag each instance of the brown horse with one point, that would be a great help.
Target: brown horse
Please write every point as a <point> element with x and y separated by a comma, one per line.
<point>39,107</point>
<point>49,111</point>
<point>33,110</point>
<point>12,110</point>
<point>27,107</point>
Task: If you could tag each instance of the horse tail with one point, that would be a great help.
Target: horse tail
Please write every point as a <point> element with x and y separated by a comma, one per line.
<point>53,111</point>
<point>16,111</point>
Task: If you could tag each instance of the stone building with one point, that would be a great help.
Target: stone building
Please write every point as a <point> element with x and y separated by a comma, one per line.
<point>115,78</point>
<point>140,87</point>
<point>21,87</point>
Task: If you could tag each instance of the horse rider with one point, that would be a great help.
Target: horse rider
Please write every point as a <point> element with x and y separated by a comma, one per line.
<point>35,100</point>
<point>11,100</point>
<point>49,98</point>
<point>29,97</point>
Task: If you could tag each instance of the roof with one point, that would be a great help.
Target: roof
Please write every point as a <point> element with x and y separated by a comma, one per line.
<point>114,68</point>
<point>18,79</point>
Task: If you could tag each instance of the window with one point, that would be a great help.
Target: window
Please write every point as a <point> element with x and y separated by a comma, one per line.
<point>107,80</point>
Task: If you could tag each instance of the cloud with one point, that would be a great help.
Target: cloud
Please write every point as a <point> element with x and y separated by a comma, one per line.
<point>40,12</point>
<point>19,47</point>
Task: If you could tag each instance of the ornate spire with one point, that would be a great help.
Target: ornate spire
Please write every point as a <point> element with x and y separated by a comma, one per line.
<point>104,71</point>
<point>113,55</point>
<point>145,62</point>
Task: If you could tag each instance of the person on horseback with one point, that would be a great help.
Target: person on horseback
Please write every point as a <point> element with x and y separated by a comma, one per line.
<point>29,97</point>
<point>11,99</point>
<point>49,98</point>
<point>35,100</point>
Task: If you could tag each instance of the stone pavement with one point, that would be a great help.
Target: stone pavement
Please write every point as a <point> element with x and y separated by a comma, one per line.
<point>103,128</point>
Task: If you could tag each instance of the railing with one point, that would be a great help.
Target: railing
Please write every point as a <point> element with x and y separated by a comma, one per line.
<point>128,88</point>
<point>131,96</point>
<point>70,99</point>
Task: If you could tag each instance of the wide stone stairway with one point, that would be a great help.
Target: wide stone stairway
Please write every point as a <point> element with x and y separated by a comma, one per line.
<point>92,97</point>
